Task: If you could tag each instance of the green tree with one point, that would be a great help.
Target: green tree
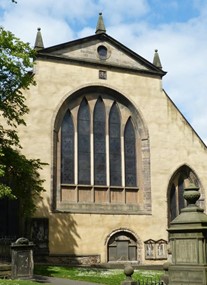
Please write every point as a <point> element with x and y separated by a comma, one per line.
<point>19,176</point>
<point>15,76</point>
<point>22,181</point>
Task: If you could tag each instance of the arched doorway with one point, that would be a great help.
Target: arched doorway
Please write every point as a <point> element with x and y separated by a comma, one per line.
<point>122,246</point>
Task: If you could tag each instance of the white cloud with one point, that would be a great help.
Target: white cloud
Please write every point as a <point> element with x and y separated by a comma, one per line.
<point>122,10</point>
<point>182,50</point>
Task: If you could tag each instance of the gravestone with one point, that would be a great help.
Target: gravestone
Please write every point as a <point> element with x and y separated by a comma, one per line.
<point>22,259</point>
<point>188,242</point>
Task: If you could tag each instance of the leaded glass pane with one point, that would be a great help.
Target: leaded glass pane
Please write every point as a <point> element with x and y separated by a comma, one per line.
<point>99,129</point>
<point>84,165</point>
<point>114,131</point>
<point>83,143</point>
<point>180,193</point>
<point>115,146</point>
<point>100,147</point>
<point>84,127</point>
<point>173,208</point>
<point>115,178</point>
<point>130,180</point>
<point>100,162</point>
<point>67,150</point>
<point>130,155</point>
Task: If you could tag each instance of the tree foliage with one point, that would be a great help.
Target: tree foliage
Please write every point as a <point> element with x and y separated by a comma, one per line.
<point>19,176</point>
<point>22,176</point>
<point>15,64</point>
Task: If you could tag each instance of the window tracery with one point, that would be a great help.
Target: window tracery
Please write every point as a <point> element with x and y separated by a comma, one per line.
<point>100,157</point>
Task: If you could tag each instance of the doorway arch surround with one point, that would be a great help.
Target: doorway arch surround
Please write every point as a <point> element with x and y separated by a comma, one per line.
<point>123,245</point>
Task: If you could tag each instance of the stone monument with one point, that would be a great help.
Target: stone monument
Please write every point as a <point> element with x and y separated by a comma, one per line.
<point>188,242</point>
<point>22,259</point>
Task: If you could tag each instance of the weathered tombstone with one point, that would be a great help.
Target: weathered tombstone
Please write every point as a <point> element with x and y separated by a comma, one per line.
<point>22,259</point>
<point>188,241</point>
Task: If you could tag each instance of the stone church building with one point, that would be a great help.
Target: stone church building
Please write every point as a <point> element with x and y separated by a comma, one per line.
<point>118,151</point>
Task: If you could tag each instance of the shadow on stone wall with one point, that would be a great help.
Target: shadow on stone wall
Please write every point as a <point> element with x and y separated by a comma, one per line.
<point>55,235</point>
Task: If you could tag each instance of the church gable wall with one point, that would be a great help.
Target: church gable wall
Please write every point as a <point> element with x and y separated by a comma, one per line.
<point>172,143</point>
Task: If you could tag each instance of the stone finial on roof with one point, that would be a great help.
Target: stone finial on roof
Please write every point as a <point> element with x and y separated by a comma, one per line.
<point>38,42</point>
<point>156,60</point>
<point>100,28</point>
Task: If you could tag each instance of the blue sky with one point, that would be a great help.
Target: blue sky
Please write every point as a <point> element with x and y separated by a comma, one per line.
<point>177,28</point>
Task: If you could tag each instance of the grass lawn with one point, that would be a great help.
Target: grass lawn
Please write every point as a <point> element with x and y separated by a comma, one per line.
<point>96,275</point>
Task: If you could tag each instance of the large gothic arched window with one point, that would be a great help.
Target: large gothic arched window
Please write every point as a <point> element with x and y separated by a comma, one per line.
<point>97,157</point>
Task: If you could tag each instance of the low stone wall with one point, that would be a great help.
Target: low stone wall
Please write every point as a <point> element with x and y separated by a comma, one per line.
<point>5,271</point>
<point>71,260</point>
